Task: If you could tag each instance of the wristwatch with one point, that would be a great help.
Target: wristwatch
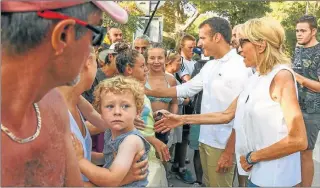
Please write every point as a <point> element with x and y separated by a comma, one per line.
<point>248,159</point>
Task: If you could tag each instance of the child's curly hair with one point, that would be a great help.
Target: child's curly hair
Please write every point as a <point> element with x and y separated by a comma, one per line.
<point>119,85</point>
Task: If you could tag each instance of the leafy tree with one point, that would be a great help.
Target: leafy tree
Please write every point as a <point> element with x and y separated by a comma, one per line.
<point>133,22</point>
<point>176,21</point>
<point>236,12</point>
<point>288,13</point>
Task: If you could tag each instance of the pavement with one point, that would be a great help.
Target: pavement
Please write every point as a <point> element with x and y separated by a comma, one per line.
<point>316,180</point>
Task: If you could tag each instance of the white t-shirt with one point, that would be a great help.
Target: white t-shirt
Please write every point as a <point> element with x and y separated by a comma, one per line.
<point>221,80</point>
<point>187,67</point>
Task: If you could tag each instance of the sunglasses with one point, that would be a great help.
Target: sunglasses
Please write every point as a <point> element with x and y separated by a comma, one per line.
<point>171,52</point>
<point>98,32</point>
<point>242,41</point>
<point>239,51</point>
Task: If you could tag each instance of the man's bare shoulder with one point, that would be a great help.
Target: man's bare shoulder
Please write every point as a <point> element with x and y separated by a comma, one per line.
<point>55,108</point>
<point>41,162</point>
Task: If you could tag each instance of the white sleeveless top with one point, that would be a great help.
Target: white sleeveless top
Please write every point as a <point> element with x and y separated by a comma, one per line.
<point>262,125</point>
<point>85,141</point>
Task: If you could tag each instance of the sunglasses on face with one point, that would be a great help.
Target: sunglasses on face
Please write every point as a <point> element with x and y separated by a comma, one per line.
<point>239,51</point>
<point>242,41</point>
<point>98,32</point>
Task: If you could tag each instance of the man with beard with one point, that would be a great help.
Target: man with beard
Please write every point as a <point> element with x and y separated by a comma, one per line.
<point>44,45</point>
<point>306,64</point>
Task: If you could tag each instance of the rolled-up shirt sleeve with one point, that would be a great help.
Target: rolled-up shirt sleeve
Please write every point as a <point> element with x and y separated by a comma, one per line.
<point>190,88</point>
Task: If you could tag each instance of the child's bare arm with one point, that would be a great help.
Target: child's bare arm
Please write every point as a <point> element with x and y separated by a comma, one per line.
<point>91,114</point>
<point>97,158</point>
<point>120,167</point>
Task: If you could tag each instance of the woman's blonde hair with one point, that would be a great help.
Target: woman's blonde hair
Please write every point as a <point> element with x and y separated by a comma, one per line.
<point>119,85</point>
<point>269,30</point>
<point>172,56</point>
<point>183,40</point>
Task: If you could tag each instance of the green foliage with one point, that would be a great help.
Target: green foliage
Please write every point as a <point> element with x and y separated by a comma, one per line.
<point>169,43</point>
<point>172,13</point>
<point>131,26</point>
<point>237,12</point>
<point>288,13</point>
<point>193,29</point>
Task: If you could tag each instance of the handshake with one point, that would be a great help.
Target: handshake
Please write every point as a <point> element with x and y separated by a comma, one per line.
<point>165,121</point>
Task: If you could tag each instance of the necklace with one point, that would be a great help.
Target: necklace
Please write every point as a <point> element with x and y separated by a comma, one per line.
<point>29,139</point>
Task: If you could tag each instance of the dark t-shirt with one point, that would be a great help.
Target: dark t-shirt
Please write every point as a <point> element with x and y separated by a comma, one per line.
<point>306,62</point>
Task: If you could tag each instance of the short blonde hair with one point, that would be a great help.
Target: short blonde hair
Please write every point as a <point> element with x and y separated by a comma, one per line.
<point>172,56</point>
<point>119,85</point>
<point>269,30</point>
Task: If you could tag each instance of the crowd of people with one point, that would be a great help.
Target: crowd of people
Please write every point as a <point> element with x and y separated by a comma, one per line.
<point>125,114</point>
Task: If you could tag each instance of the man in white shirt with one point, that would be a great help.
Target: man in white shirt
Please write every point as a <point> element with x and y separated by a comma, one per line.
<point>221,80</point>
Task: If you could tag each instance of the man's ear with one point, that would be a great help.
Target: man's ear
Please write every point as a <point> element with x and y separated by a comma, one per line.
<point>217,37</point>
<point>314,32</point>
<point>63,33</point>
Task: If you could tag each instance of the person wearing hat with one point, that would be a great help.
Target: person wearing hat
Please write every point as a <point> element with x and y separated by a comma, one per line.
<point>109,69</point>
<point>44,45</point>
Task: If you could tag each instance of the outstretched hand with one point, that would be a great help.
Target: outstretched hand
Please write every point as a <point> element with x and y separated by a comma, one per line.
<point>168,122</point>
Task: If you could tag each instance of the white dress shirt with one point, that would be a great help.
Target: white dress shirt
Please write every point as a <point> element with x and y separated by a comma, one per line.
<point>221,80</point>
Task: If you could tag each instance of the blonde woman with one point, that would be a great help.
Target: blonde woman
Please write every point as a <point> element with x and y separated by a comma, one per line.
<point>268,123</point>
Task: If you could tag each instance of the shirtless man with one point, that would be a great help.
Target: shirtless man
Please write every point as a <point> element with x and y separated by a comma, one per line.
<point>40,51</point>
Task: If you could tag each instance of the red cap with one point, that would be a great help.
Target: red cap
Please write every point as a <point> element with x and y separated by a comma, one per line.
<point>111,8</point>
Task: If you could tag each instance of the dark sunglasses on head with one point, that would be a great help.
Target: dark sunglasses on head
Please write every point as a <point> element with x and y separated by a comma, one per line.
<point>242,41</point>
<point>98,32</point>
<point>171,52</point>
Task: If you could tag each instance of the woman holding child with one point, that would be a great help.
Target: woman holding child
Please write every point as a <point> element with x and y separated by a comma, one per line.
<point>78,108</point>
